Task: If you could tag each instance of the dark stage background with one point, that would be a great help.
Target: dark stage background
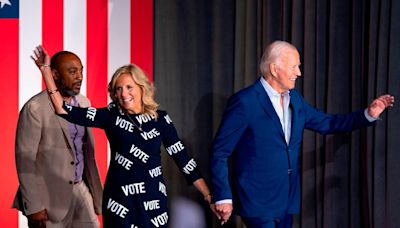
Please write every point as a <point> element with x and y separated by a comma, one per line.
<point>204,51</point>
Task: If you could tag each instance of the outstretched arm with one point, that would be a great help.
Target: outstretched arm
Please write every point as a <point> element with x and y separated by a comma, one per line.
<point>379,105</point>
<point>42,61</point>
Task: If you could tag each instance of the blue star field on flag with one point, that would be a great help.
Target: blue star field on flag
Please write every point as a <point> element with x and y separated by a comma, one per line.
<point>9,8</point>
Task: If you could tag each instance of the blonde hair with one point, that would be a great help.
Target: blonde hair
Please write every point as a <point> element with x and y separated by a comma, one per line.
<point>273,53</point>
<point>149,104</point>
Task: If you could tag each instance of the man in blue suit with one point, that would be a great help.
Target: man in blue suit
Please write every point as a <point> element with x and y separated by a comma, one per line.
<point>262,128</point>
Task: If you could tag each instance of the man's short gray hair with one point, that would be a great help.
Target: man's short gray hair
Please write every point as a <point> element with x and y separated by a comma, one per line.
<point>273,53</point>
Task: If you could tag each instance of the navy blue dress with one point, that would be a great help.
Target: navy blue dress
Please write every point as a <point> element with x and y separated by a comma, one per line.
<point>134,192</point>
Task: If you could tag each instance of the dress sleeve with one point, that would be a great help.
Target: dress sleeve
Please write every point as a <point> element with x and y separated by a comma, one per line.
<point>88,117</point>
<point>175,148</point>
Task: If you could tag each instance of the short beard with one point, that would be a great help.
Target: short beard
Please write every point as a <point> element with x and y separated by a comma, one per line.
<point>65,91</point>
<point>70,92</point>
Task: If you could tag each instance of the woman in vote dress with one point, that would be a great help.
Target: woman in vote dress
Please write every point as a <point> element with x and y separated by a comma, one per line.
<point>134,192</point>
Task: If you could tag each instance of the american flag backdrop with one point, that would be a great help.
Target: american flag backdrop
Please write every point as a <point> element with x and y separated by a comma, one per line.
<point>105,34</point>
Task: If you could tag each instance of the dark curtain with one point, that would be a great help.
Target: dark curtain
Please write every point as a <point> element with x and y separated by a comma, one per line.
<point>207,50</point>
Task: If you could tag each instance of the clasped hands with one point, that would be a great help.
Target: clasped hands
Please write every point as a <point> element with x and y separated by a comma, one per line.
<point>223,212</point>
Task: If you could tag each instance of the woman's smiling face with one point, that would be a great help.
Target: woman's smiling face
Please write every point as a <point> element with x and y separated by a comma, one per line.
<point>129,94</point>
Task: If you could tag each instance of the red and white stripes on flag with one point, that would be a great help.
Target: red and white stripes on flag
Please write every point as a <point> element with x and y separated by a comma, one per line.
<point>105,34</point>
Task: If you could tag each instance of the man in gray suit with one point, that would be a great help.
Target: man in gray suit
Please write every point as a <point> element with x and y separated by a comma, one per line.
<point>59,181</point>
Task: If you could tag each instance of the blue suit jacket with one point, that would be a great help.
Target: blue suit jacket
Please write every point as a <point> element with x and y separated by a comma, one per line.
<point>251,132</point>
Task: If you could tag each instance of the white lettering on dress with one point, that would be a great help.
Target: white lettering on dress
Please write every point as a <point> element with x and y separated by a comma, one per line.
<point>162,188</point>
<point>117,208</point>
<point>155,172</point>
<point>91,113</point>
<point>160,219</point>
<point>126,163</point>
<point>151,205</point>
<point>151,134</point>
<point>190,166</point>
<point>173,149</point>
<point>144,118</point>
<point>138,153</point>
<point>167,119</point>
<point>124,124</point>
<point>68,106</point>
<point>134,188</point>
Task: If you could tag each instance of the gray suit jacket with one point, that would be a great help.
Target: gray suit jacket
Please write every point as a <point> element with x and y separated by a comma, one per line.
<point>44,155</point>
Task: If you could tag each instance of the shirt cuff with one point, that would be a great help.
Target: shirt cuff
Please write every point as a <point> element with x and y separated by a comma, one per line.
<point>223,201</point>
<point>369,118</point>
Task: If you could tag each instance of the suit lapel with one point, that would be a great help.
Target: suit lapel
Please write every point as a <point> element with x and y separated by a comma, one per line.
<point>295,106</point>
<point>266,104</point>
<point>64,126</point>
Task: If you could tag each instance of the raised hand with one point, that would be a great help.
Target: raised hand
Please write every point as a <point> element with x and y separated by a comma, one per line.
<point>41,57</point>
<point>379,105</point>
